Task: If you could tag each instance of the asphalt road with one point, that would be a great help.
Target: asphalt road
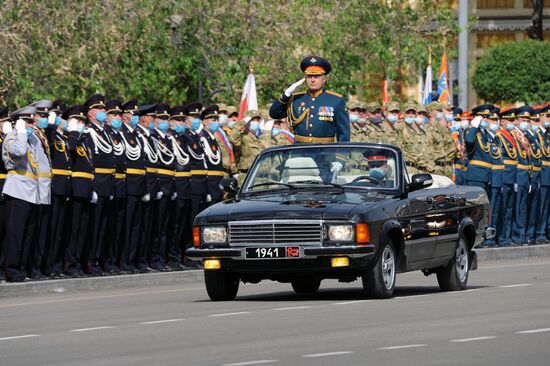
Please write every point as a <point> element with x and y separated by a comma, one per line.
<point>503,319</point>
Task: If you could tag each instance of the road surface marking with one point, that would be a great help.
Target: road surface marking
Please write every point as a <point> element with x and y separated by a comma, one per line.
<point>531,331</point>
<point>517,285</point>
<point>19,337</point>
<point>229,314</point>
<point>292,308</point>
<point>328,354</point>
<point>413,296</point>
<point>472,339</point>
<point>349,302</point>
<point>162,321</point>
<point>404,346</point>
<point>249,363</point>
<point>94,328</point>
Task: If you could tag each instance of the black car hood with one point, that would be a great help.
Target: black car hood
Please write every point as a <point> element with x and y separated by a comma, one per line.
<point>333,205</point>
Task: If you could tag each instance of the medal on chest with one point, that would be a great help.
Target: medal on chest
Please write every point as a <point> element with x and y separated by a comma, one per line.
<point>326,113</point>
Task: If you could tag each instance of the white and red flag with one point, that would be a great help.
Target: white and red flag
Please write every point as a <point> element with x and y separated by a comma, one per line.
<point>249,98</point>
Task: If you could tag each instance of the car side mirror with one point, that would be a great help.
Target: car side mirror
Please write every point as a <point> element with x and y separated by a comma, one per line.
<point>230,186</point>
<point>419,181</point>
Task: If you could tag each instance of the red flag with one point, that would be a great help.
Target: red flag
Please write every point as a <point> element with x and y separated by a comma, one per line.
<point>249,98</point>
<point>385,98</point>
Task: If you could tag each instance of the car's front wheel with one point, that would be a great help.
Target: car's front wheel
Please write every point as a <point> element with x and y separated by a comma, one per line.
<point>305,285</point>
<point>221,286</point>
<point>454,276</point>
<point>379,282</point>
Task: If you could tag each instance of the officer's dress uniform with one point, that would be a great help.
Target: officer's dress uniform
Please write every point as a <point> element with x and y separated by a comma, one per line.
<point>495,192</point>
<point>214,166</point>
<point>101,146</point>
<point>135,190</point>
<point>510,161</point>
<point>544,195</point>
<point>27,186</point>
<point>166,170</point>
<point>533,198</point>
<point>478,148</point>
<point>199,188</point>
<point>61,192</point>
<point>521,186</point>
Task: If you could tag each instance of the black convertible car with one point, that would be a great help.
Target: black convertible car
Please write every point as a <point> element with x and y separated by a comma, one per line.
<point>341,211</point>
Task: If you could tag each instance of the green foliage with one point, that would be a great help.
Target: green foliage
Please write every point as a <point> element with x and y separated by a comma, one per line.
<point>159,50</point>
<point>514,72</point>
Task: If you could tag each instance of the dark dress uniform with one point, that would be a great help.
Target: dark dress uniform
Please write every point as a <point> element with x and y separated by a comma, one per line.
<point>315,117</point>
<point>82,177</point>
<point>478,148</point>
<point>495,193</point>
<point>533,198</point>
<point>135,190</point>
<point>215,170</point>
<point>101,146</point>
<point>4,117</point>
<point>521,187</point>
<point>544,190</point>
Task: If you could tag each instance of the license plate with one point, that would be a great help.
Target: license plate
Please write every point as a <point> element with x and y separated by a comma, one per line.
<point>272,252</point>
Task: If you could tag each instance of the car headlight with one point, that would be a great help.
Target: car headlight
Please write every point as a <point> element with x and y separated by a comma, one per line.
<point>214,234</point>
<point>340,232</point>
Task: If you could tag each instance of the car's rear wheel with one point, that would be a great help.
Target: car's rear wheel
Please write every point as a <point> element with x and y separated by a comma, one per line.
<point>454,276</point>
<point>305,285</point>
<point>379,282</point>
<point>221,286</point>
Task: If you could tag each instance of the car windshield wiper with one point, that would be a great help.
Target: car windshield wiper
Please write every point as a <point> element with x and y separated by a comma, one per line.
<point>321,183</point>
<point>271,183</point>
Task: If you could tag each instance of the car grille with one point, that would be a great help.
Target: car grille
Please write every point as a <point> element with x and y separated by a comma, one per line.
<point>276,232</point>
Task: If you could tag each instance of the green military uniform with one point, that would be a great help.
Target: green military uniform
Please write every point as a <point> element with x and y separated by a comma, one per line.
<point>411,141</point>
<point>268,140</point>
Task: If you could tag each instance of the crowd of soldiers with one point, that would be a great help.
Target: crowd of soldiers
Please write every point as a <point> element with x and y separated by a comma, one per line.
<point>110,187</point>
<point>505,151</point>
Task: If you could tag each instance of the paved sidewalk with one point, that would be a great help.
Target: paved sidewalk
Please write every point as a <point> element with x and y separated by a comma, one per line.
<point>196,276</point>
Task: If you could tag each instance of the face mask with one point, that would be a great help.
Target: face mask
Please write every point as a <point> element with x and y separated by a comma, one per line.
<point>546,124</point>
<point>483,125</point>
<point>101,117</point>
<point>523,126</point>
<point>534,128</point>
<point>180,127</point>
<point>275,131</point>
<point>42,123</point>
<point>116,124</point>
<point>448,117</point>
<point>134,120</point>
<point>80,128</point>
<point>376,119</point>
<point>510,126</point>
<point>353,118</point>
<point>392,118</point>
<point>438,116</point>
<point>64,125</point>
<point>377,173</point>
<point>230,124</point>
<point>493,127</point>
<point>254,126</point>
<point>195,124</point>
<point>213,126</point>
<point>163,126</point>
<point>223,119</point>
<point>30,130</point>
<point>464,125</point>
<point>57,120</point>
<point>151,126</point>
<point>409,120</point>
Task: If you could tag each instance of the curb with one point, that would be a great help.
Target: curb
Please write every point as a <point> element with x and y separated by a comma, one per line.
<point>197,277</point>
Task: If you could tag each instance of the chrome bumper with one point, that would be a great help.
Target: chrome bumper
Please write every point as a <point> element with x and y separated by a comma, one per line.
<point>490,233</point>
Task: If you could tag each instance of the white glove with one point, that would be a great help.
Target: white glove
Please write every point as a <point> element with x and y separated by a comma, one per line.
<point>71,127</point>
<point>94,197</point>
<point>111,198</point>
<point>159,195</point>
<point>51,118</point>
<point>515,187</point>
<point>335,166</point>
<point>146,197</point>
<point>208,198</point>
<point>293,87</point>
<point>174,196</point>
<point>6,128</point>
<point>476,121</point>
<point>236,176</point>
<point>20,126</point>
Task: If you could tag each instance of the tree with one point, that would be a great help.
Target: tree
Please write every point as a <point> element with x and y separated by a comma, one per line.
<point>514,72</point>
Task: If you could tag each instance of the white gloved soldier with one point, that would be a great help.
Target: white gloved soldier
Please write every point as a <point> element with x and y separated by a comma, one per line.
<point>476,121</point>
<point>293,87</point>
<point>7,128</point>
<point>335,166</point>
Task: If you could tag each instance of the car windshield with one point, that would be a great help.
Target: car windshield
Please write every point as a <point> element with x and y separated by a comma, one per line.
<point>336,167</point>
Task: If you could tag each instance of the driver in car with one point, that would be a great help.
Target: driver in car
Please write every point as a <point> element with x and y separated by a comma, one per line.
<point>379,169</point>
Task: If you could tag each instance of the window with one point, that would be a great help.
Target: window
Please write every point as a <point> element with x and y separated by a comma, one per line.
<point>495,4</point>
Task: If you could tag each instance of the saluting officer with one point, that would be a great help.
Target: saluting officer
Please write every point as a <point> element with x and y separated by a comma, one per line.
<point>81,189</point>
<point>510,161</point>
<point>523,172</point>
<point>212,153</point>
<point>101,146</point>
<point>135,188</point>
<point>318,115</point>
<point>6,129</point>
<point>27,162</point>
<point>478,148</point>
<point>115,225</point>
